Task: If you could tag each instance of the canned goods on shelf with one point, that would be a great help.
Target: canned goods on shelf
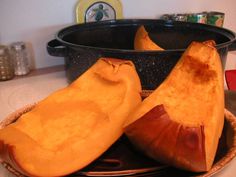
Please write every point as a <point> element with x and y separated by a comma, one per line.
<point>180,17</point>
<point>174,17</point>
<point>215,18</point>
<point>166,17</point>
<point>211,18</point>
<point>197,17</point>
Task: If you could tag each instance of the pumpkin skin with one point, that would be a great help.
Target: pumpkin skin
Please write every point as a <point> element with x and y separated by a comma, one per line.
<point>142,41</point>
<point>73,126</point>
<point>181,122</point>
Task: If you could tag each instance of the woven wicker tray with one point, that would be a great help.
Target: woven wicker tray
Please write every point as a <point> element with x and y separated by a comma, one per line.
<point>226,152</point>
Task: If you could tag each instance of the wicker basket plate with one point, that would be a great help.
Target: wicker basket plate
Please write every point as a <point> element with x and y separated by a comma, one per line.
<point>122,160</point>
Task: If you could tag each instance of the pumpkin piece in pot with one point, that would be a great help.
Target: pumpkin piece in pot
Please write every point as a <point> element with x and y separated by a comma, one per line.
<point>75,125</point>
<point>142,41</point>
<point>181,122</point>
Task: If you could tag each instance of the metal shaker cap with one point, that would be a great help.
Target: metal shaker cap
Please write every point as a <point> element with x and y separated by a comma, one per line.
<point>18,46</point>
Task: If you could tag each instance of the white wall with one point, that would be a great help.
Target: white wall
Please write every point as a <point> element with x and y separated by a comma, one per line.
<point>36,22</point>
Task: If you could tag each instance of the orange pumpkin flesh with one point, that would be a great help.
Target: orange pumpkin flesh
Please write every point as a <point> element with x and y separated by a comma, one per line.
<point>142,41</point>
<point>181,121</point>
<point>75,125</point>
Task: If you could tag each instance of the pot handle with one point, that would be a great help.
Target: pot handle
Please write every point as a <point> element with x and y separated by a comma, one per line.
<point>232,46</point>
<point>55,48</point>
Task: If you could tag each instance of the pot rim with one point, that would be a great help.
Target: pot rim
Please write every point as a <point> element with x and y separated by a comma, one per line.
<point>137,22</point>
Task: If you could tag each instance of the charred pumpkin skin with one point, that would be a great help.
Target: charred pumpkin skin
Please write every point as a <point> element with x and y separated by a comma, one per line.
<point>142,41</point>
<point>192,101</point>
<point>170,140</point>
<point>73,126</point>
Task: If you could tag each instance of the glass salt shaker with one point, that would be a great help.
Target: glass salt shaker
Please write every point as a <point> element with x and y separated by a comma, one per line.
<point>6,64</point>
<point>20,57</point>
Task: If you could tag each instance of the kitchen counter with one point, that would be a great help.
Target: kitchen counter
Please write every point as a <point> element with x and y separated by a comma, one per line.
<point>19,92</point>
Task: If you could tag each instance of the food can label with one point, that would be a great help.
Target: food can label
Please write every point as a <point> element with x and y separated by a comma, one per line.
<point>197,18</point>
<point>215,18</point>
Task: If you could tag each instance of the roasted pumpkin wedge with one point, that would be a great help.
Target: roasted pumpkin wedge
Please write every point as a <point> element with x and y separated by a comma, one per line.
<point>181,122</point>
<point>142,41</point>
<point>73,126</point>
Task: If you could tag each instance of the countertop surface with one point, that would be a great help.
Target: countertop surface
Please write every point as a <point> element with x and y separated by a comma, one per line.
<point>19,92</point>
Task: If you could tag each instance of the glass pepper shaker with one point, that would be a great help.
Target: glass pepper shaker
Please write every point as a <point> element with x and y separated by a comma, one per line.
<point>6,64</point>
<point>20,57</point>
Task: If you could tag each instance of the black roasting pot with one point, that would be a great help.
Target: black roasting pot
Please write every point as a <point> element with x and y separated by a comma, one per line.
<point>82,44</point>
